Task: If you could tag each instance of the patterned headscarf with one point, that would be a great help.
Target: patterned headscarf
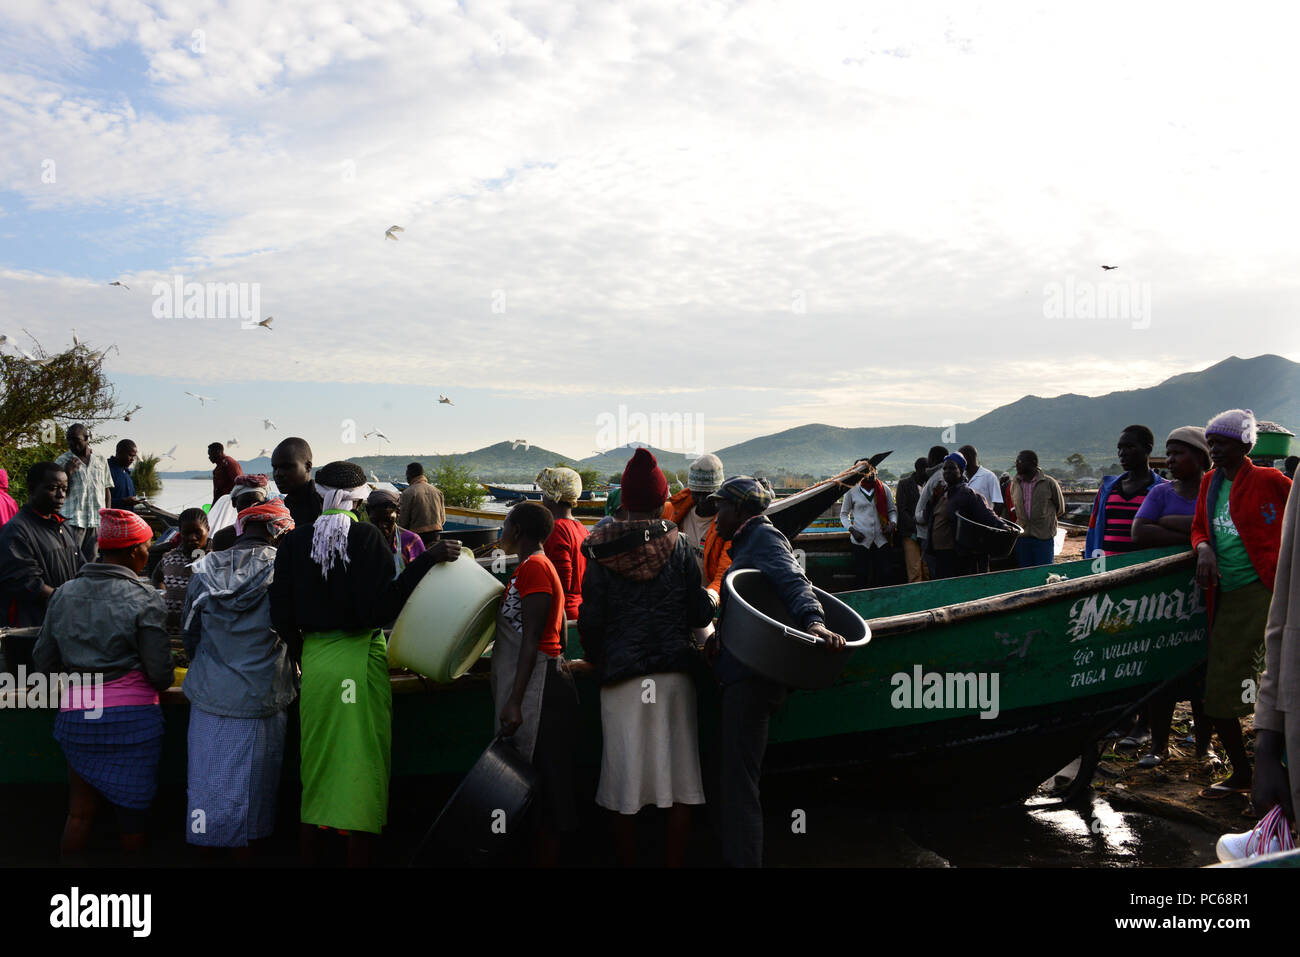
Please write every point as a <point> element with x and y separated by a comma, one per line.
<point>249,488</point>
<point>273,513</point>
<point>560,484</point>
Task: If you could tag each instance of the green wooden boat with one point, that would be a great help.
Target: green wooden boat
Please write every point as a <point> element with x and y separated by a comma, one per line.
<point>1058,664</point>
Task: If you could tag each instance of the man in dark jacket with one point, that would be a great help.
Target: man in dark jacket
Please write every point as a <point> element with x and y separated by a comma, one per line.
<point>291,469</point>
<point>957,497</point>
<point>749,700</point>
<point>37,555</point>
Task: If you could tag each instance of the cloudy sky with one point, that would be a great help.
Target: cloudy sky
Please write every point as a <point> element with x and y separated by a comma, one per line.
<point>760,214</point>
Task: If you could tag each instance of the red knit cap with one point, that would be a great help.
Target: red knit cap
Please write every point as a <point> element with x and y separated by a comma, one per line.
<point>121,529</point>
<point>644,487</point>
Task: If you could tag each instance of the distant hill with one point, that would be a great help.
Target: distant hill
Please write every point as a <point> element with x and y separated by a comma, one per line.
<point>1053,427</point>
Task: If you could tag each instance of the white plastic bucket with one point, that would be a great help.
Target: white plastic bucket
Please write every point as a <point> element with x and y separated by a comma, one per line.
<point>1059,542</point>
<point>448,621</point>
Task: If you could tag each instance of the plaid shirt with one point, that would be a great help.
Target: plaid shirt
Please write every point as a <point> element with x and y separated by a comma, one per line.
<point>85,490</point>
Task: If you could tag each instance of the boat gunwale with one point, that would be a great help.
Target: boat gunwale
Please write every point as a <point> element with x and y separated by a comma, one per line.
<point>1025,598</point>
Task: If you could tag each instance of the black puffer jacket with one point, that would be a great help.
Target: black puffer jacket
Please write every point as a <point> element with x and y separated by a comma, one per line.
<point>641,596</point>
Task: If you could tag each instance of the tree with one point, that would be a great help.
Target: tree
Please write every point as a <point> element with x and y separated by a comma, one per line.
<point>590,477</point>
<point>42,395</point>
<point>457,484</point>
<point>1080,465</point>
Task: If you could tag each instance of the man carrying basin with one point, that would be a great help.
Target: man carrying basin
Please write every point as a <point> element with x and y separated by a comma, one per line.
<point>749,700</point>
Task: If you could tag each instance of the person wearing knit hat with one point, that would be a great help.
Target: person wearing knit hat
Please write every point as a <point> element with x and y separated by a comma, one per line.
<point>108,622</point>
<point>642,595</point>
<point>1165,519</point>
<point>1110,526</point>
<point>1236,533</point>
<point>332,594</point>
<point>644,487</point>
<point>561,488</point>
<point>240,683</point>
<point>748,699</point>
<point>693,512</point>
<point>381,510</point>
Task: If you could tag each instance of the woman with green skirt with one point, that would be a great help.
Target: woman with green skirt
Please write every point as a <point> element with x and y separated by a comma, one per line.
<point>332,595</point>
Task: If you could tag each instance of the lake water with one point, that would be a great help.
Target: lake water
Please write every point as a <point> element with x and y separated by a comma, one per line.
<point>180,494</point>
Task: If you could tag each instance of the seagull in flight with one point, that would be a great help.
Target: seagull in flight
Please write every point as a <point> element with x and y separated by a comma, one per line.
<point>444,400</point>
<point>263,452</point>
<point>373,476</point>
<point>1109,268</point>
<point>266,323</point>
<point>203,399</point>
<point>267,424</point>
<point>518,442</point>
<point>122,284</point>
<point>381,435</point>
<point>232,443</point>
<point>170,453</point>
<point>388,233</point>
<point>75,340</point>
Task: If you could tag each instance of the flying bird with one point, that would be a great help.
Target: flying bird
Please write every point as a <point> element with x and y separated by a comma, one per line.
<point>518,442</point>
<point>373,476</point>
<point>267,424</point>
<point>266,323</point>
<point>381,435</point>
<point>444,400</point>
<point>75,340</point>
<point>232,443</point>
<point>1108,268</point>
<point>170,453</point>
<point>122,284</point>
<point>388,233</point>
<point>263,452</point>
<point>203,399</point>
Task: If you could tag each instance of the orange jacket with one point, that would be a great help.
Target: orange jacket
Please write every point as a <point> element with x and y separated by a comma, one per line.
<point>716,559</point>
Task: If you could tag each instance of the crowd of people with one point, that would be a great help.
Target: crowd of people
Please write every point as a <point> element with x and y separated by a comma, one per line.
<point>286,606</point>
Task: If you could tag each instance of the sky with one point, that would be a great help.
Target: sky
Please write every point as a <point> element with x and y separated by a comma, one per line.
<point>755,215</point>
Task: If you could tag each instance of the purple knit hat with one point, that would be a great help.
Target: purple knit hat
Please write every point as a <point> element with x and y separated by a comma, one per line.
<point>1236,424</point>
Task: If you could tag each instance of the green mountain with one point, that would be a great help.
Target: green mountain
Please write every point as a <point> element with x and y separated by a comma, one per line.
<point>1053,427</point>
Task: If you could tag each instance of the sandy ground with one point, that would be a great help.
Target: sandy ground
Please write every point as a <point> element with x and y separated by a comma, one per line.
<point>1171,789</point>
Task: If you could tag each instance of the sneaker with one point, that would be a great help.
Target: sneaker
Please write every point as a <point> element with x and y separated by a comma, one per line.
<point>1232,847</point>
<point>1152,759</point>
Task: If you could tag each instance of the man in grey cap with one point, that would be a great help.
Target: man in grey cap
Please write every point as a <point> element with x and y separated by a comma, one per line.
<point>748,699</point>
<point>692,511</point>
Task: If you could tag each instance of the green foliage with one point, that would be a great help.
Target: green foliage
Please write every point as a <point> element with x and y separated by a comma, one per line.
<point>145,476</point>
<point>590,476</point>
<point>18,461</point>
<point>41,396</point>
<point>457,484</point>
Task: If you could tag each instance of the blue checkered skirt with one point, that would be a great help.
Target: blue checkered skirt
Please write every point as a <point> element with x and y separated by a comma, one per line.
<point>234,773</point>
<point>116,752</point>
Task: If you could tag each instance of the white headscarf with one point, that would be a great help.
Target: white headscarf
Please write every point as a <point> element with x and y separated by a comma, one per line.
<point>329,533</point>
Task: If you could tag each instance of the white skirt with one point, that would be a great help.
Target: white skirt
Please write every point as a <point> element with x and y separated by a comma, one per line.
<point>651,752</point>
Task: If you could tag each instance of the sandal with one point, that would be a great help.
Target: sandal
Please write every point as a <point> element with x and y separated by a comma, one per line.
<point>1219,791</point>
<point>1152,759</point>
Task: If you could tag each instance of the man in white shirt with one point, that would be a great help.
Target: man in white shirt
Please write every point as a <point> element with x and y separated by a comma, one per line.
<point>982,480</point>
<point>869,513</point>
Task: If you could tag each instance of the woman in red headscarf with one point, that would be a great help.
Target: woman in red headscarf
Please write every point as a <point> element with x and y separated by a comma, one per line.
<point>108,622</point>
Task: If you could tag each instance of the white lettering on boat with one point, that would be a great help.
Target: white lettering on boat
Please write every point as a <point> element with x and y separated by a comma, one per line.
<point>956,691</point>
<point>1099,612</point>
